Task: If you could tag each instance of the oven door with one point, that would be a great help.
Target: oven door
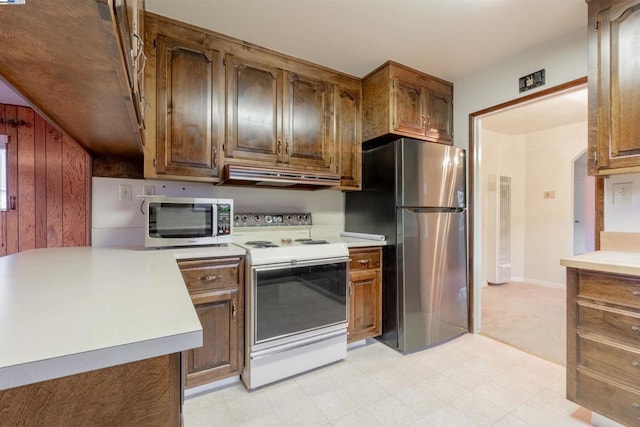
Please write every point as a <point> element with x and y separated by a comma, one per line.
<point>294,301</point>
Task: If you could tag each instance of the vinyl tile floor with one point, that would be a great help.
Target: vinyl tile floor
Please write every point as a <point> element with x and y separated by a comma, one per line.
<point>472,380</point>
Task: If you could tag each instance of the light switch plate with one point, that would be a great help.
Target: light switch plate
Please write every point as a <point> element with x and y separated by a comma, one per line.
<point>623,193</point>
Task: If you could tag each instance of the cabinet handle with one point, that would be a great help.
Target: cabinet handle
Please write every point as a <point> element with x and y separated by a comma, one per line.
<point>635,293</point>
<point>215,158</point>
<point>428,125</point>
<point>635,364</point>
<point>636,405</point>
<point>363,261</point>
<point>279,145</point>
<point>209,278</point>
<point>635,328</point>
<point>286,146</point>
<point>350,288</point>
<point>233,310</point>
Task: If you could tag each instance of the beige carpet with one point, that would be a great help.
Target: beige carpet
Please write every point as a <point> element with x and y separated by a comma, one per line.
<point>529,317</point>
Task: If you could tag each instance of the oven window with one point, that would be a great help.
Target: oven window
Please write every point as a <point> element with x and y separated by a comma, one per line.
<point>297,299</point>
<point>180,220</point>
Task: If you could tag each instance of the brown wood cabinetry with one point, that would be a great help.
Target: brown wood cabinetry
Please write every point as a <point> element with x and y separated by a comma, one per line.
<point>603,343</point>
<point>216,286</point>
<point>185,117</point>
<point>277,117</point>
<point>216,100</point>
<point>348,113</point>
<point>614,88</point>
<point>402,101</point>
<point>365,293</point>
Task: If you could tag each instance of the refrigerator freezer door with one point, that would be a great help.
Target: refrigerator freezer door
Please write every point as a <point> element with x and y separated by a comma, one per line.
<point>430,175</point>
<point>433,280</point>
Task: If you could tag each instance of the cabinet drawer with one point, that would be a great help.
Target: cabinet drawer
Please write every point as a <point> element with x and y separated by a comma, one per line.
<point>612,323</point>
<point>203,276</point>
<point>611,288</point>
<point>360,259</point>
<point>621,404</point>
<point>616,363</point>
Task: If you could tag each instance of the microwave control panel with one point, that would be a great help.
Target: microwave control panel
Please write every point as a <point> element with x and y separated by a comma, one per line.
<point>224,219</point>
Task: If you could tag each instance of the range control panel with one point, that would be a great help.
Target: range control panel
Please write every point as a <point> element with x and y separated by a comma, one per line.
<point>271,219</point>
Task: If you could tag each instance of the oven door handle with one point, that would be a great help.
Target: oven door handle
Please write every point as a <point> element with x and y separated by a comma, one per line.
<point>292,346</point>
<point>304,263</point>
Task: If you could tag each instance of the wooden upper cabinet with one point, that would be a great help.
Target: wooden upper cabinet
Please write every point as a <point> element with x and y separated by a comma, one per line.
<point>184,82</point>
<point>405,102</point>
<point>276,117</point>
<point>308,139</point>
<point>254,99</point>
<point>614,88</point>
<point>348,136</point>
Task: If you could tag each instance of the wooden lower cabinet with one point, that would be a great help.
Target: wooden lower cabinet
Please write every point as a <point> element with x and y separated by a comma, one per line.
<point>365,293</point>
<point>603,343</point>
<point>216,286</point>
<point>142,393</point>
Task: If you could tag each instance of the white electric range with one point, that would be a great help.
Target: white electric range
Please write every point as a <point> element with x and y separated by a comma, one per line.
<point>297,299</point>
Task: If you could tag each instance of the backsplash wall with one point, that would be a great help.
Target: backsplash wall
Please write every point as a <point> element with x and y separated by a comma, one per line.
<point>120,222</point>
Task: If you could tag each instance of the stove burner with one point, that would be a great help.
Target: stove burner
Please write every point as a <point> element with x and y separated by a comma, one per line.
<point>259,242</point>
<point>304,240</point>
<point>314,242</point>
<point>265,245</point>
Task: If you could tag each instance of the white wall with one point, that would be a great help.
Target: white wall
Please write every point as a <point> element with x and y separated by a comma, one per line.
<point>503,154</point>
<point>120,223</point>
<point>549,222</point>
<point>564,60</point>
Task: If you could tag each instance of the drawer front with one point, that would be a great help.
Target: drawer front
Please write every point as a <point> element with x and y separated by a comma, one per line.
<point>616,402</point>
<point>611,288</point>
<point>364,259</point>
<point>203,276</point>
<point>614,324</point>
<point>610,361</point>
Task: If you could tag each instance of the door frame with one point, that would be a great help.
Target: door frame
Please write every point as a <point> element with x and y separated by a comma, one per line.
<point>473,158</point>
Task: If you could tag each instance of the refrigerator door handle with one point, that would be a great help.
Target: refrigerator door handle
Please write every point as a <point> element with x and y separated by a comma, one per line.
<point>430,210</point>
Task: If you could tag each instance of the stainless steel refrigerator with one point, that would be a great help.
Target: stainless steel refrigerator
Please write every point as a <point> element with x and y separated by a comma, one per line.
<point>414,194</point>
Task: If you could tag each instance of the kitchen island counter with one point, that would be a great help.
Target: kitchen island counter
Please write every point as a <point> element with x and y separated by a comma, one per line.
<point>65,311</point>
<point>619,262</point>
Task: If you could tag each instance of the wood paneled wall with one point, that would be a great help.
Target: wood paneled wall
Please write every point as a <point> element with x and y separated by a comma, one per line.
<point>50,176</point>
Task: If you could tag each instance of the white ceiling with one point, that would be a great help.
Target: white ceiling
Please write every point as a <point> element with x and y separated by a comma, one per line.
<point>446,38</point>
<point>558,110</point>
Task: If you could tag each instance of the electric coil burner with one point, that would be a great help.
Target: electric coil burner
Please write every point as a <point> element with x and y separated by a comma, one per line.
<point>296,312</point>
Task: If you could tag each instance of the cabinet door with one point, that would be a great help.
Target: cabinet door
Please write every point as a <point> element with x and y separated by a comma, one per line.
<point>364,305</point>
<point>348,140</point>
<point>189,107</point>
<point>408,107</point>
<point>254,116</point>
<point>308,140</point>
<point>618,109</point>
<point>439,106</point>
<point>220,353</point>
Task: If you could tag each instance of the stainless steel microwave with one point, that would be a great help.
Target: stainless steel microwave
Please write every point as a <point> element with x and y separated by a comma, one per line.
<point>183,221</point>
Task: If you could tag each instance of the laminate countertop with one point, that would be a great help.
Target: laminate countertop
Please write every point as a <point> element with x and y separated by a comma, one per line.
<point>620,262</point>
<point>65,311</point>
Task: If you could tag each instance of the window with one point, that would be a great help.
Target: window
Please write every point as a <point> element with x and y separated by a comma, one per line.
<point>3,172</point>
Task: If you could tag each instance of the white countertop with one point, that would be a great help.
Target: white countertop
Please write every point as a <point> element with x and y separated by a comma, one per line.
<point>69,310</point>
<point>607,261</point>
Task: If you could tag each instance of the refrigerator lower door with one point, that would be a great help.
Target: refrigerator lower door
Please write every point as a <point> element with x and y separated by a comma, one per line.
<point>432,277</point>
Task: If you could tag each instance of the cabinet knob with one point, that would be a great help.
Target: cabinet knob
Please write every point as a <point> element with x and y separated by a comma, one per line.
<point>209,278</point>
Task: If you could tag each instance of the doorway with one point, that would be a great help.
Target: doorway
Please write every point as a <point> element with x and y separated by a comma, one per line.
<point>536,142</point>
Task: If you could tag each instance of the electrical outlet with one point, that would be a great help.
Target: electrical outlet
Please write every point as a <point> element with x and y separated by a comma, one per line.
<point>622,193</point>
<point>124,192</point>
<point>149,190</point>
